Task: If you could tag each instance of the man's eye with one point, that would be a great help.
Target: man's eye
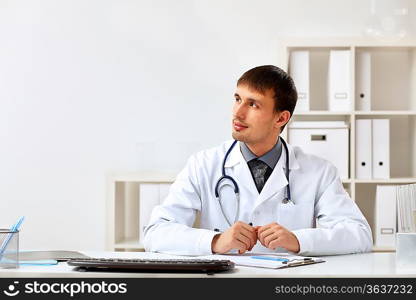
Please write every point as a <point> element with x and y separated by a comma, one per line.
<point>253,104</point>
<point>237,100</point>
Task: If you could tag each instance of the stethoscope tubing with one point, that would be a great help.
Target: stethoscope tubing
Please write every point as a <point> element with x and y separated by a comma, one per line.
<point>236,187</point>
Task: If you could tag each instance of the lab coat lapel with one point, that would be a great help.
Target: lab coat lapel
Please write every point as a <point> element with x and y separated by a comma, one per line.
<point>277,180</point>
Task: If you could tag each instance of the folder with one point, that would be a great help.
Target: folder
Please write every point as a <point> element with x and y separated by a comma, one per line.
<point>363,149</point>
<point>381,148</point>
<point>363,83</point>
<point>299,71</point>
<point>385,227</point>
<point>339,80</point>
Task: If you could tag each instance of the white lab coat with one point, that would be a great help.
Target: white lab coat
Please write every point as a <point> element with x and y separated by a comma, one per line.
<point>316,191</point>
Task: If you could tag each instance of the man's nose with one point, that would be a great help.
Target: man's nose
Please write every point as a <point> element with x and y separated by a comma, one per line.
<point>240,111</point>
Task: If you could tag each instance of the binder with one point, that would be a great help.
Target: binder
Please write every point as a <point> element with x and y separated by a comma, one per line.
<point>339,80</point>
<point>299,71</point>
<point>163,191</point>
<point>385,227</point>
<point>363,161</point>
<point>363,83</point>
<point>148,199</point>
<point>363,149</point>
<point>381,148</point>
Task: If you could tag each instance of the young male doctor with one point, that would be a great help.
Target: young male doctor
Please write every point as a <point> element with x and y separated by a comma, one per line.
<point>273,196</point>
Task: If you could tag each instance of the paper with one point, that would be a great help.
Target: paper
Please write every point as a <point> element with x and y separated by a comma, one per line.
<point>406,207</point>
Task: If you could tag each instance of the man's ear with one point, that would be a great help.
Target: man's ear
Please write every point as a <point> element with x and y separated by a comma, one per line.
<point>283,118</point>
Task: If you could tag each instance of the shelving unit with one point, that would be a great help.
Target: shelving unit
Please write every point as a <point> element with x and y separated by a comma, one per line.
<point>123,209</point>
<point>395,66</point>
<point>393,91</point>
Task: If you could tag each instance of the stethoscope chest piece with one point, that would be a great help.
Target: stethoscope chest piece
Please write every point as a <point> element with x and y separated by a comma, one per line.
<point>287,201</point>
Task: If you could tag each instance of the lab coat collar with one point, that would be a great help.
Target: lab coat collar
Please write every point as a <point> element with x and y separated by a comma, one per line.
<point>293,161</point>
<point>236,157</point>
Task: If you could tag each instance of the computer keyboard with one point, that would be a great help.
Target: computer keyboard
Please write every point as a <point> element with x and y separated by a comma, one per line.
<point>160,265</point>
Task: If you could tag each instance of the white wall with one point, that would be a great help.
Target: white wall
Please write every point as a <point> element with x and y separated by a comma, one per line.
<point>83,83</point>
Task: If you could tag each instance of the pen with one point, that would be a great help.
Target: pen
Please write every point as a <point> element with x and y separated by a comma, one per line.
<point>271,258</point>
<point>13,229</point>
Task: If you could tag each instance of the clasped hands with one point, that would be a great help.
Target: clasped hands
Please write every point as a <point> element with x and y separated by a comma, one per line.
<point>243,237</point>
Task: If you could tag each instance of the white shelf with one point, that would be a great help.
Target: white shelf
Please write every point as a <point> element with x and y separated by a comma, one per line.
<point>384,249</point>
<point>357,112</point>
<point>322,113</point>
<point>386,113</point>
<point>390,180</point>
<point>338,42</point>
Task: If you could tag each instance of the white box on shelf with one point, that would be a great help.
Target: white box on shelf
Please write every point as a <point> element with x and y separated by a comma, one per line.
<point>299,71</point>
<point>339,80</point>
<point>385,216</point>
<point>363,149</point>
<point>326,139</point>
<point>363,81</point>
<point>381,148</point>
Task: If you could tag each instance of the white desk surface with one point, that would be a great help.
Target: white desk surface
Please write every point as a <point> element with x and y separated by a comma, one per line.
<point>373,265</point>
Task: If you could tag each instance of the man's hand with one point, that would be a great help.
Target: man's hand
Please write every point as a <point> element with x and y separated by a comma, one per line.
<point>274,235</point>
<point>240,236</point>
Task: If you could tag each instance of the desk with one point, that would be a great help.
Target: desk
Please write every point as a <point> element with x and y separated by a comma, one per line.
<point>373,265</point>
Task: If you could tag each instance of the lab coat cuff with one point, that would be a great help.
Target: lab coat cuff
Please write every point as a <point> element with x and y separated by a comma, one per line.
<point>305,240</point>
<point>205,241</point>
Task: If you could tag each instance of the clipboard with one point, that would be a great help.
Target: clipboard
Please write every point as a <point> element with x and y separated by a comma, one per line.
<point>305,261</point>
<point>270,260</point>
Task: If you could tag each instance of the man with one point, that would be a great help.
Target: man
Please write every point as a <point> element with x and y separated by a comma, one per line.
<point>258,217</point>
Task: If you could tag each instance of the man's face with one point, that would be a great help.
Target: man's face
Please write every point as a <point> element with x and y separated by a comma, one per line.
<point>254,116</point>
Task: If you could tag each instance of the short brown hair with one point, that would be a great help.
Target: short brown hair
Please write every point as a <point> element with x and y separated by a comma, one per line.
<point>267,77</point>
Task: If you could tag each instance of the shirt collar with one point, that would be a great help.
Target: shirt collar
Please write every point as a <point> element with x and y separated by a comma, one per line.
<point>270,158</point>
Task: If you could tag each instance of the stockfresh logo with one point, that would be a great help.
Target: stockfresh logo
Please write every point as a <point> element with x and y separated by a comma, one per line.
<point>11,289</point>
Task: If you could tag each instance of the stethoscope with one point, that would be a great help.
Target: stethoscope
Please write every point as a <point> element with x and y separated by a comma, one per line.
<point>224,176</point>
